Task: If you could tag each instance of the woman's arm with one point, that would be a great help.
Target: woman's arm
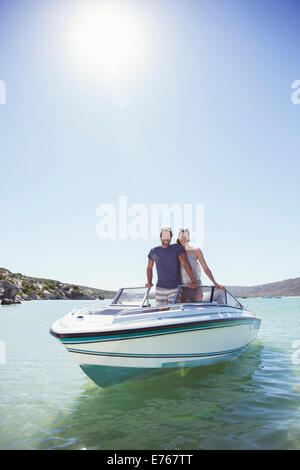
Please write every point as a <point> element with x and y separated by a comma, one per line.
<point>183,260</point>
<point>200,258</point>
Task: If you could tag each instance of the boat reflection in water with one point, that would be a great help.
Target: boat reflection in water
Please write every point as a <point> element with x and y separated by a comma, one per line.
<point>132,336</point>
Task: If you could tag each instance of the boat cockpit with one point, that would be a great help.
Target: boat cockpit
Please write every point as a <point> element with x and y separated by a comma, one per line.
<point>143,297</point>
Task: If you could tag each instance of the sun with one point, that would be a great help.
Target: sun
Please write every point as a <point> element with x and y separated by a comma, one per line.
<point>106,39</point>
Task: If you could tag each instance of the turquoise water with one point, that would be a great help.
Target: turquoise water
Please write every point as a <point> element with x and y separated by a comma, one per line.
<point>47,402</point>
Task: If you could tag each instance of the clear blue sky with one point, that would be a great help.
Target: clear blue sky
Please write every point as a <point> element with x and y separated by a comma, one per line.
<point>202,115</point>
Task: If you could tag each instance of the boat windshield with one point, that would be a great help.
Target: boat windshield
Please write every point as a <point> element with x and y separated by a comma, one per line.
<point>142,297</point>
<point>206,294</point>
<point>135,296</point>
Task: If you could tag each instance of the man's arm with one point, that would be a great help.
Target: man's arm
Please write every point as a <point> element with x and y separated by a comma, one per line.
<point>149,273</point>
<point>186,265</point>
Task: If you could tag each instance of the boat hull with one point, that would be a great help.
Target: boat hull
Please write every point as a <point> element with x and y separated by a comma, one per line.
<point>111,359</point>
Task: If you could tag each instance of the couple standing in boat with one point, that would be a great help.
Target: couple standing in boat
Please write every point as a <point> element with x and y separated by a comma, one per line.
<point>176,264</point>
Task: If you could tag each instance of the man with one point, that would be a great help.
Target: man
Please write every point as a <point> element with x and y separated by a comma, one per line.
<point>168,259</point>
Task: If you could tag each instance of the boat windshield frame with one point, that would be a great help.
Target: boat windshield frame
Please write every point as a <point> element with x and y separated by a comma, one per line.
<point>141,304</point>
<point>144,302</point>
<point>211,300</point>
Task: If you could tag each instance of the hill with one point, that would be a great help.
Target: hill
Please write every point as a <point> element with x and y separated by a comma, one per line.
<point>15,287</point>
<point>288,287</point>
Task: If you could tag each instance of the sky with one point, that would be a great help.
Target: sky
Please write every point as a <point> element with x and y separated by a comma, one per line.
<point>158,102</point>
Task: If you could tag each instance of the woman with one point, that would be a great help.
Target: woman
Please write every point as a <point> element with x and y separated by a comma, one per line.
<point>196,260</point>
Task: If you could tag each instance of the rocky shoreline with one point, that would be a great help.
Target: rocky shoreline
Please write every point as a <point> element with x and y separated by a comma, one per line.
<point>16,288</point>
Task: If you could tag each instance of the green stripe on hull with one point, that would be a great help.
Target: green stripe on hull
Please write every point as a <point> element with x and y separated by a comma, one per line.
<point>157,332</point>
<point>106,376</point>
<point>146,356</point>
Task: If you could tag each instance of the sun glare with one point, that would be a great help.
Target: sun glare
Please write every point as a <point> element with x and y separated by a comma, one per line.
<point>106,39</point>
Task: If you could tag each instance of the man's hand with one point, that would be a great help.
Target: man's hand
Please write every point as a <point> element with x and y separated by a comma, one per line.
<point>148,285</point>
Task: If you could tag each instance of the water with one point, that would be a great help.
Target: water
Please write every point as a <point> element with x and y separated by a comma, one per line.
<point>46,401</point>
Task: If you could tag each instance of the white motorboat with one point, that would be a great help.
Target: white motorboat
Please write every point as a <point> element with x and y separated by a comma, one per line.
<point>132,336</point>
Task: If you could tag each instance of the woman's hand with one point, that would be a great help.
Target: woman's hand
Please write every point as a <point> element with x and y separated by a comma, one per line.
<point>219,286</point>
<point>193,285</point>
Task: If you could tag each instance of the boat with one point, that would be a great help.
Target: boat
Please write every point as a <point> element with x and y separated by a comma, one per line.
<point>133,336</point>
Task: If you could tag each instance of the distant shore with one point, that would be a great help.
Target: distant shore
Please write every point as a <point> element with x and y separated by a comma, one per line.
<point>285,288</point>
<point>272,297</point>
<point>16,288</point>
<point>290,296</point>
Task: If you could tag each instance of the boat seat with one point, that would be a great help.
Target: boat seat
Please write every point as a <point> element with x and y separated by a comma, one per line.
<point>109,311</point>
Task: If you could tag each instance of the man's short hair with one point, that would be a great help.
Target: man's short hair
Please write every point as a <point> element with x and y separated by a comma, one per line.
<point>167,229</point>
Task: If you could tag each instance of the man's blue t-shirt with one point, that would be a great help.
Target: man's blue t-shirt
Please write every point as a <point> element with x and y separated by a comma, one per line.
<point>167,265</point>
